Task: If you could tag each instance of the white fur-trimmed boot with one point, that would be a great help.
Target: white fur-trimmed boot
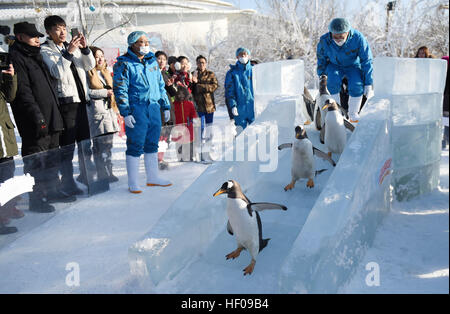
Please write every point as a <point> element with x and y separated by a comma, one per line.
<point>354,104</point>
<point>133,174</point>
<point>151,168</point>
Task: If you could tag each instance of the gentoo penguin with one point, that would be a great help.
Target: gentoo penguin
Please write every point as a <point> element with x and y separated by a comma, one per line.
<point>323,96</point>
<point>303,163</point>
<point>333,133</point>
<point>244,222</point>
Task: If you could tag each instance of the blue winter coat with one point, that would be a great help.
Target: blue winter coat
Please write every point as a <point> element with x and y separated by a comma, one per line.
<point>355,52</point>
<point>239,91</point>
<point>138,83</point>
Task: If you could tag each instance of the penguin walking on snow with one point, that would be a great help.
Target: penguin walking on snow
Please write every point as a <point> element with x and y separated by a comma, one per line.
<point>244,222</point>
<point>303,163</point>
<point>333,133</point>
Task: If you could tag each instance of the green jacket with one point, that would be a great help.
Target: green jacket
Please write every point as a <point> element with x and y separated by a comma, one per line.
<point>8,144</point>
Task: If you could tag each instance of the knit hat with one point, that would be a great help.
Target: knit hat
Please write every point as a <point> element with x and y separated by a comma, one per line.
<point>242,49</point>
<point>339,26</point>
<point>134,36</point>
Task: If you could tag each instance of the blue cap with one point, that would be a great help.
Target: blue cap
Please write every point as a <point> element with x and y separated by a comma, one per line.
<point>339,26</point>
<point>242,49</point>
<point>134,36</point>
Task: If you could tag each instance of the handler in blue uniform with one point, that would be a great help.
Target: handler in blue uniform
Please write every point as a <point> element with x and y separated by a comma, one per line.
<point>140,95</point>
<point>344,51</point>
<point>239,89</point>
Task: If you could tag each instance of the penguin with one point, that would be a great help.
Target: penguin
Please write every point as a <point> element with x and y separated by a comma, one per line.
<point>244,222</point>
<point>308,106</point>
<point>333,133</point>
<point>323,96</point>
<point>303,163</point>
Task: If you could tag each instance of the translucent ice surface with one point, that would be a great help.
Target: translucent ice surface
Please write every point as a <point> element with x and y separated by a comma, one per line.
<point>414,87</point>
<point>408,76</point>
<point>344,219</point>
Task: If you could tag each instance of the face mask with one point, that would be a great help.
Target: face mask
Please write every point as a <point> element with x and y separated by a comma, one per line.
<point>143,50</point>
<point>243,60</point>
<point>340,42</point>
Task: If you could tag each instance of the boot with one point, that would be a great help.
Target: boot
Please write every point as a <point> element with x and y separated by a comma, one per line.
<point>54,195</point>
<point>133,174</point>
<point>7,230</point>
<point>354,104</point>
<point>112,178</point>
<point>39,204</point>
<point>151,169</point>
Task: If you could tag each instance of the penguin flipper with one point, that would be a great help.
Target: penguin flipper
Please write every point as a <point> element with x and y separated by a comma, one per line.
<point>324,156</point>
<point>229,229</point>
<point>285,145</point>
<point>263,206</point>
<point>322,135</point>
<point>349,125</point>
<point>317,119</point>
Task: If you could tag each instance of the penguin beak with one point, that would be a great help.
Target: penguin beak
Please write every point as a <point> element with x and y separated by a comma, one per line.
<point>220,191</point>
<point>325,107</point>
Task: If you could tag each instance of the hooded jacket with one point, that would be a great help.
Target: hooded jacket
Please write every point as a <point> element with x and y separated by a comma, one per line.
<point>355,52</point>
<point>239,89</point>
<point>138,83</point>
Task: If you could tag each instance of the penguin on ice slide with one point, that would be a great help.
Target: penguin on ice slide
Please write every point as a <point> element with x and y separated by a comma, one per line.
<point>244,222</point>
<point>303,163</point>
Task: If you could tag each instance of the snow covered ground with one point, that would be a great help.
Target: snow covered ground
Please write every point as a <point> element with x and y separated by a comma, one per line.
<point>411,246</point>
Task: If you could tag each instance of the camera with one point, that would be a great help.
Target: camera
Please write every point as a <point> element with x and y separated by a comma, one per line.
<point>4,61</point>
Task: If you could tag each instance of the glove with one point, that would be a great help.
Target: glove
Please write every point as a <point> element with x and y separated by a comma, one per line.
<point>41,130</point>
<point>368,91</point>
<point>166,115</point>
<point>234,111</point>
<point>129,121</point>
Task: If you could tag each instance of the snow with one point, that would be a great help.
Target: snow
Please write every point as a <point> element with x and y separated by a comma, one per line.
<point>411,246</point>
<point>96,233</point>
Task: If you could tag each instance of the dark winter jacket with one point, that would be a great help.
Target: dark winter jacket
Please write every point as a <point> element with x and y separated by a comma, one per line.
<point>8,144</point>
<point>171,92</point>
<point>354,53</point>
<point>36,97</point>
<point>203,91</point>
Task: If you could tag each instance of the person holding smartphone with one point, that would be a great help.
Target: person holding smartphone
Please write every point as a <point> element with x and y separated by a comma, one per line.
<point>68,63</point>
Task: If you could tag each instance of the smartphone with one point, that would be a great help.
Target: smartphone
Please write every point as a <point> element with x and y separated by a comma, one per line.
<point>4,61</point>
<point>75,32</point>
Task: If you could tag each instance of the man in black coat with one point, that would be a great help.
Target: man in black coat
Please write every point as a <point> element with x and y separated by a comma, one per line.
<point>38,118</point>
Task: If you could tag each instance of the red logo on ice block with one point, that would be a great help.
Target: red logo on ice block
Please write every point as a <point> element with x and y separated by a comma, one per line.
<point>385,170</point>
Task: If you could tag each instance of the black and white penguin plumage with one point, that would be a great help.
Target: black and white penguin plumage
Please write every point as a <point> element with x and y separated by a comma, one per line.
<point>303,162</point>
<point>244,222</point>
<point>333,133</point>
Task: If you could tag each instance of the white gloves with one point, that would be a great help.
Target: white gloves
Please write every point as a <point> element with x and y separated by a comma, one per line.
<point>233,128</point>
<point>234,111</point>
<point>368,91</point>
<point>129,121</point>
<point>166,115</point>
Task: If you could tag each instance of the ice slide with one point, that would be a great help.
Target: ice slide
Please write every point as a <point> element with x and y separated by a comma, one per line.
<point>317,243</point>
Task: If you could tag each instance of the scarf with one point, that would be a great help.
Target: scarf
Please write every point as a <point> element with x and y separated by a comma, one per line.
<point>96,83</point>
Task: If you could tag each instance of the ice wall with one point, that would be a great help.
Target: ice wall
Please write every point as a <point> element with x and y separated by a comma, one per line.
<point>414,87</point>
<point>344,219</point>
<point>196,218</point>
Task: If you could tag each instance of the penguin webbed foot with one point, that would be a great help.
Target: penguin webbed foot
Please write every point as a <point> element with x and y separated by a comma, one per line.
<point>310,183</point>
<point>234,254</point>
<point>290,186</point>
<point>249,269</point>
